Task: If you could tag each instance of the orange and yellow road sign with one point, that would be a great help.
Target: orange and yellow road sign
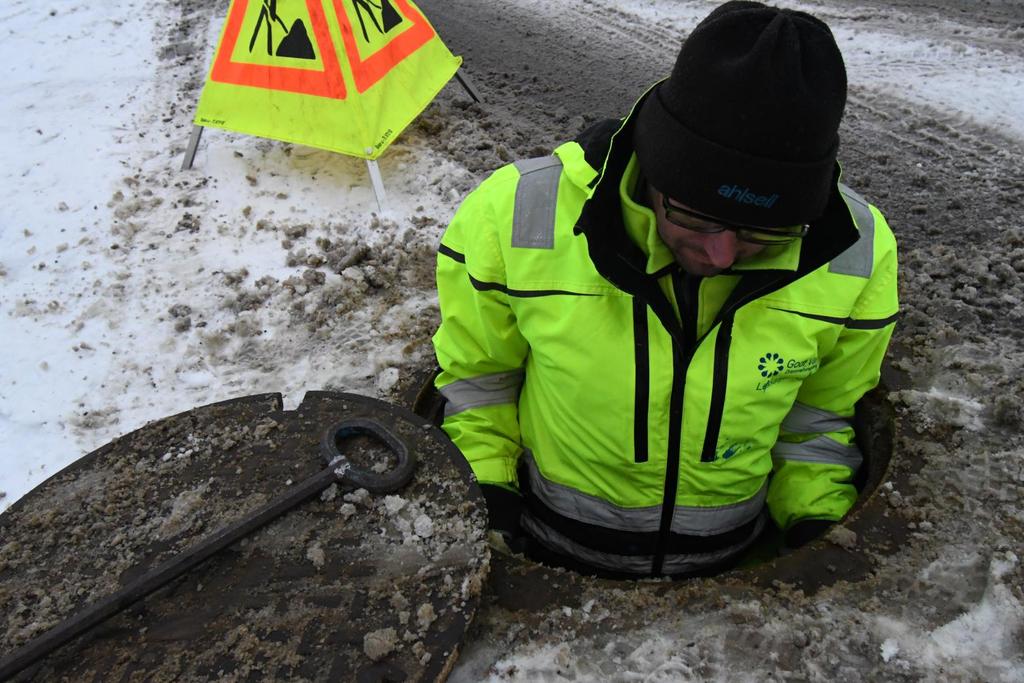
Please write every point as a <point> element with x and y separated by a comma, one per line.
<point>343,75</point>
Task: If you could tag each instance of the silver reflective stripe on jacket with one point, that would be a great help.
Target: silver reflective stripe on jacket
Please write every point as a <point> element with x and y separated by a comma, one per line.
<point>859,259</point>
<point>821,450</point>
<point>635,564</point>
<point>805,419</point>
<point>533,219</point>
<point>484,390</point>
<point>691,521</point>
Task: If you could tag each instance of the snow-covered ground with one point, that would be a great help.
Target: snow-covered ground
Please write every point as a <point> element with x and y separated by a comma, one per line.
<point>130,290</point>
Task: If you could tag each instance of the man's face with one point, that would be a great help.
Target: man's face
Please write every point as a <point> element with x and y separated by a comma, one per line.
<point>700,253</point>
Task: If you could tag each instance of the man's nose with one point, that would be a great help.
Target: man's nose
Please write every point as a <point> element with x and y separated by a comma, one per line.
<point>721,248</point>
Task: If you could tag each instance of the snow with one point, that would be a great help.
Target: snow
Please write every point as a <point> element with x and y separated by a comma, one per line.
<point>890,648</point>
<point>130,291</point>
<point>984,638</point>
<point>66,131</point>
<point>931,71</point>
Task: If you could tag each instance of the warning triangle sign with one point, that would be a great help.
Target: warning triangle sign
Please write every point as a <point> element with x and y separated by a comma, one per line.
<point>344,75</point>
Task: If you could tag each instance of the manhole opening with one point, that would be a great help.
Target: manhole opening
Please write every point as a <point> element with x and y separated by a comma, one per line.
<point>873,426</point>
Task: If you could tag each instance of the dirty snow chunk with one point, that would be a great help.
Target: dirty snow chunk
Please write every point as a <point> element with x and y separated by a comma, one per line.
<point>423,526</point>
<point>394,504</point>
<point>379,644</point>
<point>399,601</point>
<point>890,648</point>
<point>315,554</point>
<point>425,615</point>
<point>387,379</point>
<point>420,651</point>
<point>404,526</point>
<point>359,497</point>
<point>842,537</point>
<point>943,406</point>
<point>183,512</point>
<point>180,311</point>
<point>347,510</point>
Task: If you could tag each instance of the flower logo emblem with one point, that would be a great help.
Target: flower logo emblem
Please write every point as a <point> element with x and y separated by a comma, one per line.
<point>770,365</point>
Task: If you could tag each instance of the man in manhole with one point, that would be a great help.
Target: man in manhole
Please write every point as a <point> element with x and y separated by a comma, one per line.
<point>652,341</point>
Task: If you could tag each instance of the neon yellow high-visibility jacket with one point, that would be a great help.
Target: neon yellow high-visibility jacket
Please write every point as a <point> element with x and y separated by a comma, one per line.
<point>657,414</point>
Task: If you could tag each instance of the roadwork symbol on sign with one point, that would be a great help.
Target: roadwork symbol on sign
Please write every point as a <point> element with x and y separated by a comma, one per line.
<point>389,18</point>
<point>279,66</point>
<point>295,42</point>
<point>279,55</point>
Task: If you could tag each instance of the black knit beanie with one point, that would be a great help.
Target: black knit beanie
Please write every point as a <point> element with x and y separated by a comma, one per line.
<point>746,128</point>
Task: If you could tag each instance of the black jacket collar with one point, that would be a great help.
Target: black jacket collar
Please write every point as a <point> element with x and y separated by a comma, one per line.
<point>607,147</point>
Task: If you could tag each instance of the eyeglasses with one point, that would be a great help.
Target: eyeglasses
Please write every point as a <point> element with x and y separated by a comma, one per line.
<point>677,215</point>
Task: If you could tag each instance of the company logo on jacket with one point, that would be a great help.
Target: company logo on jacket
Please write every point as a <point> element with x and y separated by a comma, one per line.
<point>743,195</point>
<point>773,368</point>
<point>770,364</point>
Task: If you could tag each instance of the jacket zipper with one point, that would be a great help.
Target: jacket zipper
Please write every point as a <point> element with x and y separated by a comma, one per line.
<point>641,352</point>
<point>672,464</point>
<point>718,386</point>
<point>687,289</point>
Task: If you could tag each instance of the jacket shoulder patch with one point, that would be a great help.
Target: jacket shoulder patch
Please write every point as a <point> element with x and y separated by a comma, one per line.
<point>858,260</point>
<point>533,219</point>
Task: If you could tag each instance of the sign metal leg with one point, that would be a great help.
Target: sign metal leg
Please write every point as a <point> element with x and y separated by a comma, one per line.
<point>468,85</point>
<point>190,151</point>
<point>378,183</point>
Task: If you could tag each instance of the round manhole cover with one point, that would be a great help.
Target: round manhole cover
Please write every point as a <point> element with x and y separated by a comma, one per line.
<point>347,586</point>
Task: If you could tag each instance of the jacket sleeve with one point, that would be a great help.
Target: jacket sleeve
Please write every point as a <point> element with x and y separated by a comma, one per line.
<point>816,455</point>
<point>478,344</point>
